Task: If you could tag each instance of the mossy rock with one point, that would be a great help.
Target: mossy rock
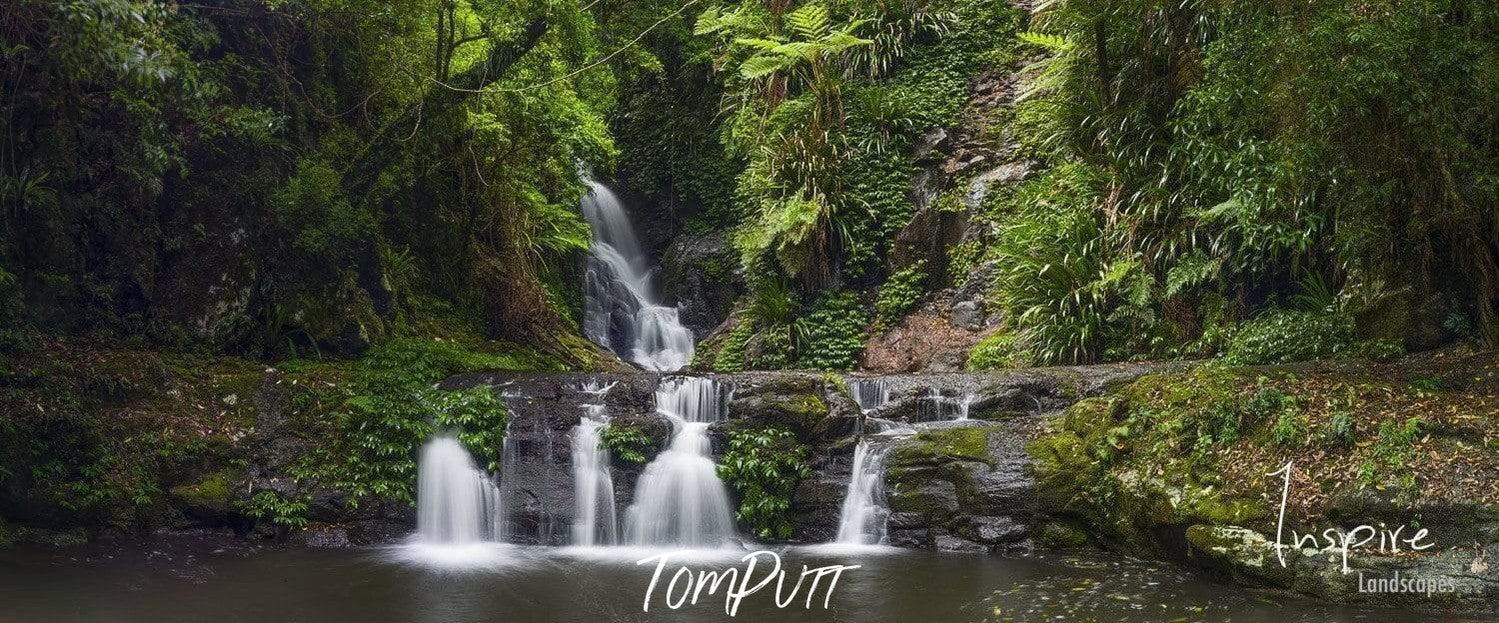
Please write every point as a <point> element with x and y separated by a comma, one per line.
<point>939,446</point>
<point>1061,535</point>
<point>7,537</point>
<point>208,498</point>
<point>998,414</point>
<point>794,403</point>
<point>934,499</point>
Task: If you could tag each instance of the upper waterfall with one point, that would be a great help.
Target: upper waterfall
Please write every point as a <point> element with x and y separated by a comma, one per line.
<point>621,312</point>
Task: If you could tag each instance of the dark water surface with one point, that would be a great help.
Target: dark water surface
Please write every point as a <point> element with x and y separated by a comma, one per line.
<point>186,580</point>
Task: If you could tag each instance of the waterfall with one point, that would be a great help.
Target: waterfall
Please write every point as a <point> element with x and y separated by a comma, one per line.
<point>939,406</point>
<point>620,311</point>
<point>679,499</point>
<point>870,394</point>
<point>594,519</point>
<point>862,521</point>
<point>456,502</point>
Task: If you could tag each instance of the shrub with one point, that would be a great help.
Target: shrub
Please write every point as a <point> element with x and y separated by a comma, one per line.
<point>763,465</point>
<point>1339,430</point>
<point>832,332</point>
<point>901,293</point>
<point>993,353</point>
<point>1290,428</point>
<point>271,506</point>
<point>626,443</point>
<point>1281,336</point>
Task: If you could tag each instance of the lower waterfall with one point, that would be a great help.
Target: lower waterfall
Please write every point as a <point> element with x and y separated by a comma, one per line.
<point>457,503</point>
<point>864,515</point>
<point>679,499</point>
<point>594,520</point>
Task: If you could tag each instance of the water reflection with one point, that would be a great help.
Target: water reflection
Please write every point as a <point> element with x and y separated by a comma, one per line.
<point>175,582</point>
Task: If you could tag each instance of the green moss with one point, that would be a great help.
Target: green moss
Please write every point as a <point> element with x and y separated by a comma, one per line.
<point>7,538</point>
<point>212,493</point>
<point>968,444</point>
<point>1061,535</point>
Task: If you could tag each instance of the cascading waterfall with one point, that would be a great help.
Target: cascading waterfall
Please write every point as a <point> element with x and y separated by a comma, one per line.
<point>679,499</point>
<point>620,311</point>
<point>870,394</point>
<point>457,503</point>
<point>864,515</point>
<point>939,406</point>
<point>594,519</point>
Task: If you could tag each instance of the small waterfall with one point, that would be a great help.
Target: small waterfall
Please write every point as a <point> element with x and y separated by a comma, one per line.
<point>594,519</point>
<point>938,406</point>
<point>864,515</point>
<point>679,499</point>
<point>456,502</point>
<point>870,394</point>
<point>620,311</point>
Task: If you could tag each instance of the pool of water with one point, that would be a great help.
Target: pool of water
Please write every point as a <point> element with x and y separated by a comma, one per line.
<point>192,580</point>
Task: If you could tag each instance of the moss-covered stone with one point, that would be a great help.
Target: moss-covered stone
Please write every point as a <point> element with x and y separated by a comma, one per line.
<point>207,497</point>
<point>1058,534</point>
<point>937,446</point>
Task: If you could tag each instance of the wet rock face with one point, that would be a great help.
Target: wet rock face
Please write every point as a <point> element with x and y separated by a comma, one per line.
<point>536,479</point>
<point>964,487</point>
<point>701,273</point>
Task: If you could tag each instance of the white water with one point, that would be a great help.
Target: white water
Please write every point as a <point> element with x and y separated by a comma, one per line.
<point>679,499</point>
<point>457,504</point>
<point>864,515</point>
<point>594,519</point>
<point>870,394</point>
<point>620,312</point>
<point>942,407</point>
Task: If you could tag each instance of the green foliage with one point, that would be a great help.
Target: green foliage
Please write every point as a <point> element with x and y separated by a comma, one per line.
<point>1339,430</point>
<point>995,352</point>
<point>1392,454</point>
<point>832,332</point>
<point>1378,349</point>
<point>1280,336</point>
<point>376,419</point>
<point>730,357</point>
<point>763,466</point>
<point>901,293</point>
<point>161,166</point>
<point>290,514</point>
<point>1290,428</point>
<point>1250,167</point>
<point>627,443</point>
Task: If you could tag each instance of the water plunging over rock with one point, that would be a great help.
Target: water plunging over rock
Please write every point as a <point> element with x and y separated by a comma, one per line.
<point>864,515</point>
<point>621,312</point>
<point>594,519</point>
<point>457,504</point>
<point>870,394</point>
<point>679,499</point>
<point>939,406</point>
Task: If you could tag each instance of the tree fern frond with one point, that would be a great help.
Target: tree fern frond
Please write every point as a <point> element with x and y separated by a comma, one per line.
<point>810,21</point>
<point>1054,43</point>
